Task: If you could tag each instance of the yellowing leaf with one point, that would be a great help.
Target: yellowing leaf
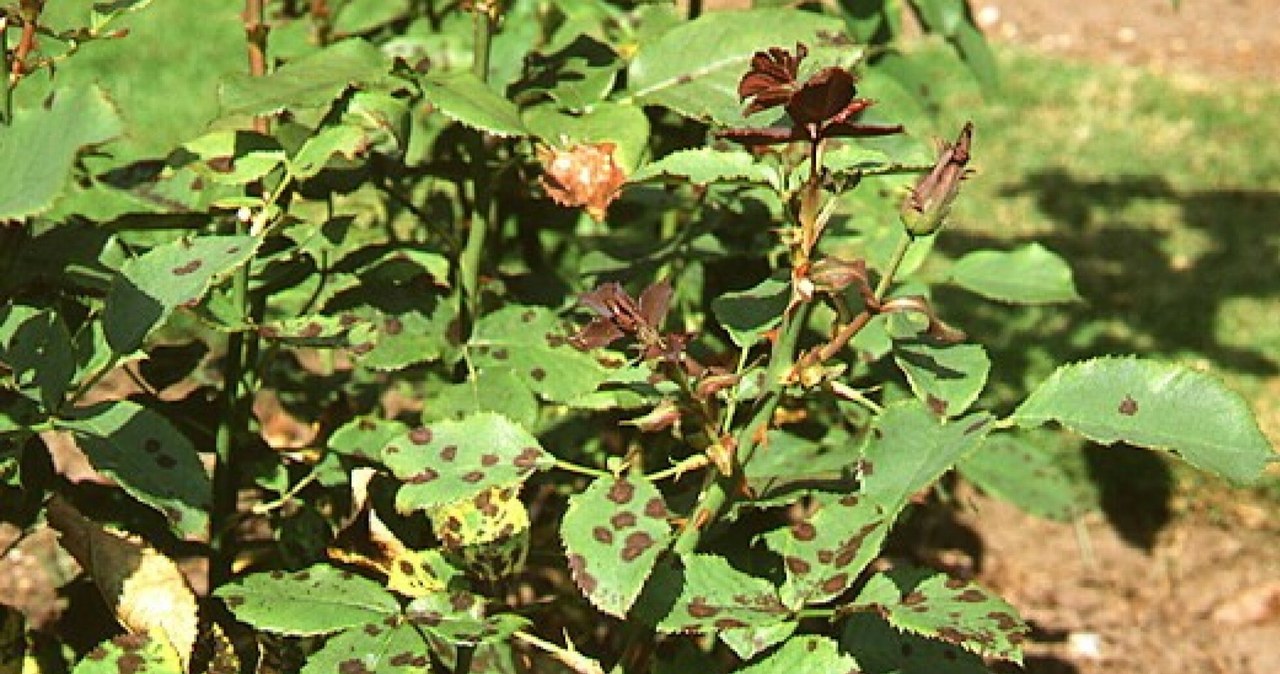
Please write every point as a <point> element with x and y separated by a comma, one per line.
<point>492,514</point>
<point>145,589</point>
<point>368,542</point>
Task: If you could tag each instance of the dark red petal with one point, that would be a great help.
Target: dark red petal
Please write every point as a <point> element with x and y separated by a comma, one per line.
<point>598,333</point>
<point>822,96</point>
<point>763,136</point>
<point>854,107</point>
<point>654,302</point>
<point>856,130</point>
<point>606,299</point>
<point>771,79</point>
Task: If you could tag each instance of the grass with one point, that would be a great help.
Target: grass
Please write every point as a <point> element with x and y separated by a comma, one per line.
<point>1163,195</point>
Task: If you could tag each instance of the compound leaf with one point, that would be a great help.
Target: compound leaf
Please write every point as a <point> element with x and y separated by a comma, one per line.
<point>1154,405</point>
<point>612,533</point>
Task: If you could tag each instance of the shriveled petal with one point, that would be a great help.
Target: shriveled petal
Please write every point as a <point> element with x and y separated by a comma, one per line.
<point>608,299</point>
<point>654,303</point>
<point>599,333</point>
<point>822,97</point>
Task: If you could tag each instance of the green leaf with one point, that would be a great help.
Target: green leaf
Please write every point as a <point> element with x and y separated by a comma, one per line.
<point>1029,275</point>
<point>128,653</point>
<point>458,618</point>
<point>909,448</point>
<point>319,332</point>
<point>1154,405</point>
<point>448,461</point>
<point>824,552</point>
<point>361,16</point>
<point>530,342</point>
<point>808,654</point>
<point>38,149</point>
<point>977,54</point>
<point>364,437</point>
<point>881,649</point>
<point>152,460</point>
<point>231,157</point>
<point>747,315</point>
<point>103,13</point>
<point>318,600</point>
<point>612,533</point>
<point>1024,475</point>
<point>466,99</point>
<point>748,642</point>
<point>343,140</point>
<point>947,378</point>
<point>490,390</point>
<point>374,648</point>
<point>150,287</point>
<point>310,82</point>
<point>578,75</point>
<point>704,594</point>
<point>703,166</point>
<point>37,348</point>
<point>694,68</point>
<point>932,604</point>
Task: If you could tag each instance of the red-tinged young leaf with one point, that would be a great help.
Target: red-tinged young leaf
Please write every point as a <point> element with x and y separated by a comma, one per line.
<point>772,78</point>
<point>823,96</point>
<point>612,534</point>
<point>932,604</point>
<point>654,303</point>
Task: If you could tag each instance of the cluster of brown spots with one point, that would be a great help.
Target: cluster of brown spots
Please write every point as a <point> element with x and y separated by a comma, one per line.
<point>302,576</point>
<point>188,268</point>
<point>528,315</point>
<point>312,329</point>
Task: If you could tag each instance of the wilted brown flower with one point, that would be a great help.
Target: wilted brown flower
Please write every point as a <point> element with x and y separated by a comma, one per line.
<point>584,175</point>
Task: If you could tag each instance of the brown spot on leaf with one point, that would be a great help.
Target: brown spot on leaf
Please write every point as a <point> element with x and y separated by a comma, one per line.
<point>165,461</point>
<point>1128,406</point>
<point>954,583</point>
<point>636,543</point>
<point>527,458</point>
<point>420,435</point>
<point>825,556</point>
<point>803,531</point>
<point>913,598</point>
<point>449,453</point>
<point>151,446</point>
<point>538,374</point>
<point>699,608</point>
<point>602,535</point>
<point>130,663</point>
<point>728,623</point>
<point>936,405</point>
<point>798,566</point>
<point>423,477</point>
<point>501,354</point>
<point>489,460</point>
<point>972,595</point>
<point>473,477</point>
<point>836,583</point>
<point>623,520</point>
<point>621,492</point>
<point>975,427</point>
<point>655,508</point>
<point>187,268</point>
<point>393,326</point>
<point>372,630</point>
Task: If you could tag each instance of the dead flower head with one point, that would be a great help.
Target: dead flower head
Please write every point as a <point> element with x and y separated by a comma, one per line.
<point>930,200</point>
<point>583,175</point>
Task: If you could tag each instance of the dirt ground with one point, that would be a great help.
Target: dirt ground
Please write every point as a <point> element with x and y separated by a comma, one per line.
<point>1204,596</point>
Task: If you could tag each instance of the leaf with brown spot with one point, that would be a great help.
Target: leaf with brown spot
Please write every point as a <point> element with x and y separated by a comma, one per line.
<point>840,537</point>
<point>704,594</point>
<point>931,604</point>
<point>614,544</point>
<point>128,654</point>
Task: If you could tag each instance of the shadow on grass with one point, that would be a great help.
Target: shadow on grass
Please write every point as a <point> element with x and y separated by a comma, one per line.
<point>1140,298</point>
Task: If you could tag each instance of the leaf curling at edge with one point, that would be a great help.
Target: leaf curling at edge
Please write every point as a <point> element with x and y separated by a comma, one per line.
<point>144,589</point>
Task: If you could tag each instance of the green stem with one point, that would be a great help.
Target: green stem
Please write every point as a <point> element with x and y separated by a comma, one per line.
<point>719,488</point>
<point>571,467</point>
<point>6,106</point>
<point>483,30</point>
<point>483,206</point>
<point>899,254</point>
